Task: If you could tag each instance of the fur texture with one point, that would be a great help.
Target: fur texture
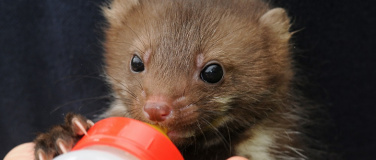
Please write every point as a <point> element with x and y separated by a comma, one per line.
<point>253,112</point>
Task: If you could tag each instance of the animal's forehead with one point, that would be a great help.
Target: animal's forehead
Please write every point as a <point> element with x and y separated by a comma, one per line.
<point>179,35</point>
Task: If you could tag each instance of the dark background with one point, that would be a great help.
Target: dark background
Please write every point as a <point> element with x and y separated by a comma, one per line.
<point>50,63</point>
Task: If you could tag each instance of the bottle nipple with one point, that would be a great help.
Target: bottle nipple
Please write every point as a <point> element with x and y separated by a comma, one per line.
<point>160,129</point>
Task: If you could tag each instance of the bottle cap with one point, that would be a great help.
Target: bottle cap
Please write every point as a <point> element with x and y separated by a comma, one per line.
<point>132,136</point>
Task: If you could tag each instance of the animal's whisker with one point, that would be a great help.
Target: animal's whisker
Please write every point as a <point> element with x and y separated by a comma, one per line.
<point>216,132</point>
<point>125,88</point>
<point>80,100</point>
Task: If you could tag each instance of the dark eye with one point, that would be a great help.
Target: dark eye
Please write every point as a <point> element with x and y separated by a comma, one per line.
<point>212,73</point>
<point>136,64</point>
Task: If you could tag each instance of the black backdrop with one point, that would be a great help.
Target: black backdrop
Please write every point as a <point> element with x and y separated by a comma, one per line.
<point>50,63</point>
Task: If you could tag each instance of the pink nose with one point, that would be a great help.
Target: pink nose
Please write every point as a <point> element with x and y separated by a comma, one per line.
<point>157,110</point>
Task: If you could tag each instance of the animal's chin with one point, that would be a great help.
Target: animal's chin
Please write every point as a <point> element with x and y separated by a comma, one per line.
<point>180,137</point>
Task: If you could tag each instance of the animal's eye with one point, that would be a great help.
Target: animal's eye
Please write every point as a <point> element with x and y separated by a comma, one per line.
<point>136,64</point>
<point>212,73</point>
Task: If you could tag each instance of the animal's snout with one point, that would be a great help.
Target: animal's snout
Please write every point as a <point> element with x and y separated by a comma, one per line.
<point>157,110</point>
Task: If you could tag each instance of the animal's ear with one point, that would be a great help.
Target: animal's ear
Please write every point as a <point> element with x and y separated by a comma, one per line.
<point>277,21</point>
<point>116,10</point>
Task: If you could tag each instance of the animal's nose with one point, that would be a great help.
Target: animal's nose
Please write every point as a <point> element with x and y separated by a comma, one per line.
<point>157,110</point>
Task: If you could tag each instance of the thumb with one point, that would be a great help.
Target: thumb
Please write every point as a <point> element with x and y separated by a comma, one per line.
<point>237,158</point>
<point>24,151</point>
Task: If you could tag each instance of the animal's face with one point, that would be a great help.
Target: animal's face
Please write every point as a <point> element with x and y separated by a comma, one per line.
<point>194,68</point>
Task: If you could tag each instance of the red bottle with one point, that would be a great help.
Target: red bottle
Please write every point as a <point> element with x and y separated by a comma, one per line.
<point>123,138</point>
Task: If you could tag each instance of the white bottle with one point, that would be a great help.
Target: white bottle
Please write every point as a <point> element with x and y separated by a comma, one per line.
<point>97,152</point>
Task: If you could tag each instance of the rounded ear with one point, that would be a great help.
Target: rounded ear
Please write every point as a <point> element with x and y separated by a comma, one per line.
<point>116,10</point>
<point>277,21</point>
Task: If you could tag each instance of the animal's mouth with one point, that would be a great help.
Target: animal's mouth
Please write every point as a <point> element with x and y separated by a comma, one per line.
<point>173,134</point>
<point>159,128</point>
<point>179,136</point>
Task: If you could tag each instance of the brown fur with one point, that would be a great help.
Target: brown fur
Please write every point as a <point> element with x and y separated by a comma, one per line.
<point>253,111</point>
<point>248,38</point>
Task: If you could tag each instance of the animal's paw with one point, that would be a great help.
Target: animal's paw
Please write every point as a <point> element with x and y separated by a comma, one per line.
<point>61,139</point>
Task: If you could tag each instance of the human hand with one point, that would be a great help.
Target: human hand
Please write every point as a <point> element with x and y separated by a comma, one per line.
<point>237,158</point>
<point>24,151</point>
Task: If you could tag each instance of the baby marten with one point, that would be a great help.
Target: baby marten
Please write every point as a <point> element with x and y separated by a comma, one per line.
<point>217,74</point>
